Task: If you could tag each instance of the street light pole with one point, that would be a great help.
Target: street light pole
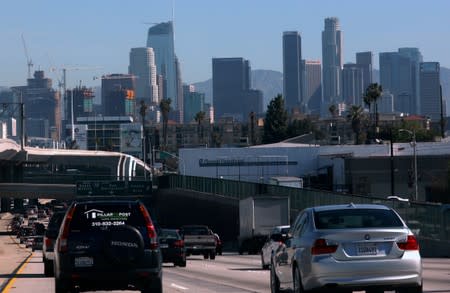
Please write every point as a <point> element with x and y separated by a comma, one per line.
<point>414,144</point>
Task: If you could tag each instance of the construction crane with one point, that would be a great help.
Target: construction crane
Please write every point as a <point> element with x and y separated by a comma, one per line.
<point>62,83</point>
<point>29,61</point>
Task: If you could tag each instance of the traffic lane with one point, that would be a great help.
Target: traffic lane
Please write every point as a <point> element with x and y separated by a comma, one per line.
<point>225,274</point>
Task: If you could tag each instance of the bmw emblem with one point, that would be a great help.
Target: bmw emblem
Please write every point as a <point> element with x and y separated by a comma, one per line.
<point>367,237</point>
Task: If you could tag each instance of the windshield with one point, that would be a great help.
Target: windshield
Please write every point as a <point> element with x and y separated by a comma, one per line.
<point>356,218</point>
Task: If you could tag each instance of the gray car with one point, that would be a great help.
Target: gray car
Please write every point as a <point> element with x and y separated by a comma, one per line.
<point>272,243</point>
<point>341,248</point>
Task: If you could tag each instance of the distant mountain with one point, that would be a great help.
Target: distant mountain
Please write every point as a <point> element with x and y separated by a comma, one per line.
<point>270,82</point>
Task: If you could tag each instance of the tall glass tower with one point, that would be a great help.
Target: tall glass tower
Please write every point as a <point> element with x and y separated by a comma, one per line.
<point>292,73</point>
<point>332,61</point>
<point>142,65</point>
<point>160,37</point>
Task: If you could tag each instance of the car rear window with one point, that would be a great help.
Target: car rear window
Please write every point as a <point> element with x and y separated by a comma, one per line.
<point>356,218</point>
<point>102,216</point>
<point>169,234</point>
<point>195,231</point>
<point>55,221</point>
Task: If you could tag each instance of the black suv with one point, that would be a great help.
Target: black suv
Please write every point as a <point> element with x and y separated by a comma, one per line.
<point>109,245</point>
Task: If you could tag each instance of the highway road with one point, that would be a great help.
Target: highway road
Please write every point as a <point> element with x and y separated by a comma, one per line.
<point>230,273</point>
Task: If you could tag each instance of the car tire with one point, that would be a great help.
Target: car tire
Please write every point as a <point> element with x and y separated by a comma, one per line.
<point>62,286</point>
<point>155,286</point>
<point>48,268</point>
<point>274,282</point>
<point>263,265</point>
<point>298,286</point>
<point>205,255</point>
<point>124,255</point>
<point>181,263</point>
<point>212,255</point>
<point>417,289</point>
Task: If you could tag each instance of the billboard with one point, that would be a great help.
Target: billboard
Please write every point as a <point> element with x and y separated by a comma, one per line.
<point>131,138</point>
<point>81,136</point>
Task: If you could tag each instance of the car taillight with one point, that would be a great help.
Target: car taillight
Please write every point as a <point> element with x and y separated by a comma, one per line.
<point>178,243</point>
<point>48,241</point>
<point>62,244</point>
<point>151,231</point>
<point>321,246</point>
<point>410,244</point>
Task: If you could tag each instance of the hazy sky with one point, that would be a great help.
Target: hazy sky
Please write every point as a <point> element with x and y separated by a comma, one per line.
<point>100,33</point>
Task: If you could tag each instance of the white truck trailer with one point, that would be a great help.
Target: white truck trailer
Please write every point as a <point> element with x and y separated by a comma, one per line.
<point>257,216</point>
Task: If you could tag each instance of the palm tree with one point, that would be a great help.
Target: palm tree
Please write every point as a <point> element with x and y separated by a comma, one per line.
<point>355,116</point>
<point>164,106</point>
<point>371,96</point>
<point>199,118</point>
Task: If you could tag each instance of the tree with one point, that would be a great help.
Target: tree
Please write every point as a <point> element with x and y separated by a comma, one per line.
<point>355,116</point>
<point>164,106</point>
<point>275,122</point>
<point>199,118</point>
<point>300,127</point>
<point>333,110</point>
<point>371,96</point>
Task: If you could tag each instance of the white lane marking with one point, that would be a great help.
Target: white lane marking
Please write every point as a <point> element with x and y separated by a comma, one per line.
<point>178,286</point>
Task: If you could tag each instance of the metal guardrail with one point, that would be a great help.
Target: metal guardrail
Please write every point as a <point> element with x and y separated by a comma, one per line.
<point>430,221</point>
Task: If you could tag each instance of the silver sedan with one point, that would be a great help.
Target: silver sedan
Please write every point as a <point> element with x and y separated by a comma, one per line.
<point>341,248</point>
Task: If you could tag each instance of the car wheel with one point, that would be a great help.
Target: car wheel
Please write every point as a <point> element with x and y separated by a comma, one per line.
<point>298,287</point>
<point>212,255</point>
<point>62,286</point>
<point>181,263</point>
<point>274,282</point>
<point>155,286</point>
<point>417,289</point>
<point>48,268</point>
<point>264,266</point>
<point>205,255</point>
<point>124,254</point>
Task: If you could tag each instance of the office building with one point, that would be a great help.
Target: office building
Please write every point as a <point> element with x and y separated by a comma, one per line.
<point>161,38</point>
<point>430,96</point>
<point>415,58</point>
<point>194,102</point>
<point>118,95</point>
<point>332,61</point>
<point>232,94</point>
<point>180,96</point>
<point>364,60</point>
<point>292,73</point>
<point>352,84</point>
<point>312,85</point>
<point>385,103</point>
<point>142,66</point>
<point>80,103</point>
<point>42,104</point>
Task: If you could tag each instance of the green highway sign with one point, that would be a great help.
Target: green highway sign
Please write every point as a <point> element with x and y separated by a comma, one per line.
<point>125,188</point>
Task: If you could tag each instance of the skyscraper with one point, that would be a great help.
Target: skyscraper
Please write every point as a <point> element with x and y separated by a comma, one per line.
<point>232,93</point>
<point>194,102</point>
<point>364,61</point>
<point>415,58</point>
<point>397,76</point>
<point>352,84</point>
<point>430,97</point>
<point>292,73</point>
<point>161,39</point>
<point>312,85</point>
<point>332,61</point>
<point>118,95</point>
<point>142,66</point>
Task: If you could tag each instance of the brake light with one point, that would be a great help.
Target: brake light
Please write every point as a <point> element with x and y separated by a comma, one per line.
<point>321,246</point>
<point>410,244</point>
<point>151,231</point>
<point>62,244</point>
<point>178,243</point>
<point>48,242</point>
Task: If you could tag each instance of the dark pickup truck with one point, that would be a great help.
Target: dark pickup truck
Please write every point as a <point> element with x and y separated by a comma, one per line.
<point>199,240</point>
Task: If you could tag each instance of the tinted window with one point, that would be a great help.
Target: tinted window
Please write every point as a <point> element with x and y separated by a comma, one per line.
<point>195,231</point>
<point>169,234</point>
<point>356,218</point>
<point>55,221</point>
<point>102,216</point>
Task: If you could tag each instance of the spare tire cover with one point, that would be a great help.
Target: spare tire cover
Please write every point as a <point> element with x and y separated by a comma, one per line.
<point>124,245</point>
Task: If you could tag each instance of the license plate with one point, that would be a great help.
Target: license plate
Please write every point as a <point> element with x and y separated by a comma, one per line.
<point>164,245</point>
<point>84,261</point>
<point>366,249</point>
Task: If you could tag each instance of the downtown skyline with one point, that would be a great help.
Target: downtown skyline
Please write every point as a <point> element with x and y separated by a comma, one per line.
<point>101,35</point>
